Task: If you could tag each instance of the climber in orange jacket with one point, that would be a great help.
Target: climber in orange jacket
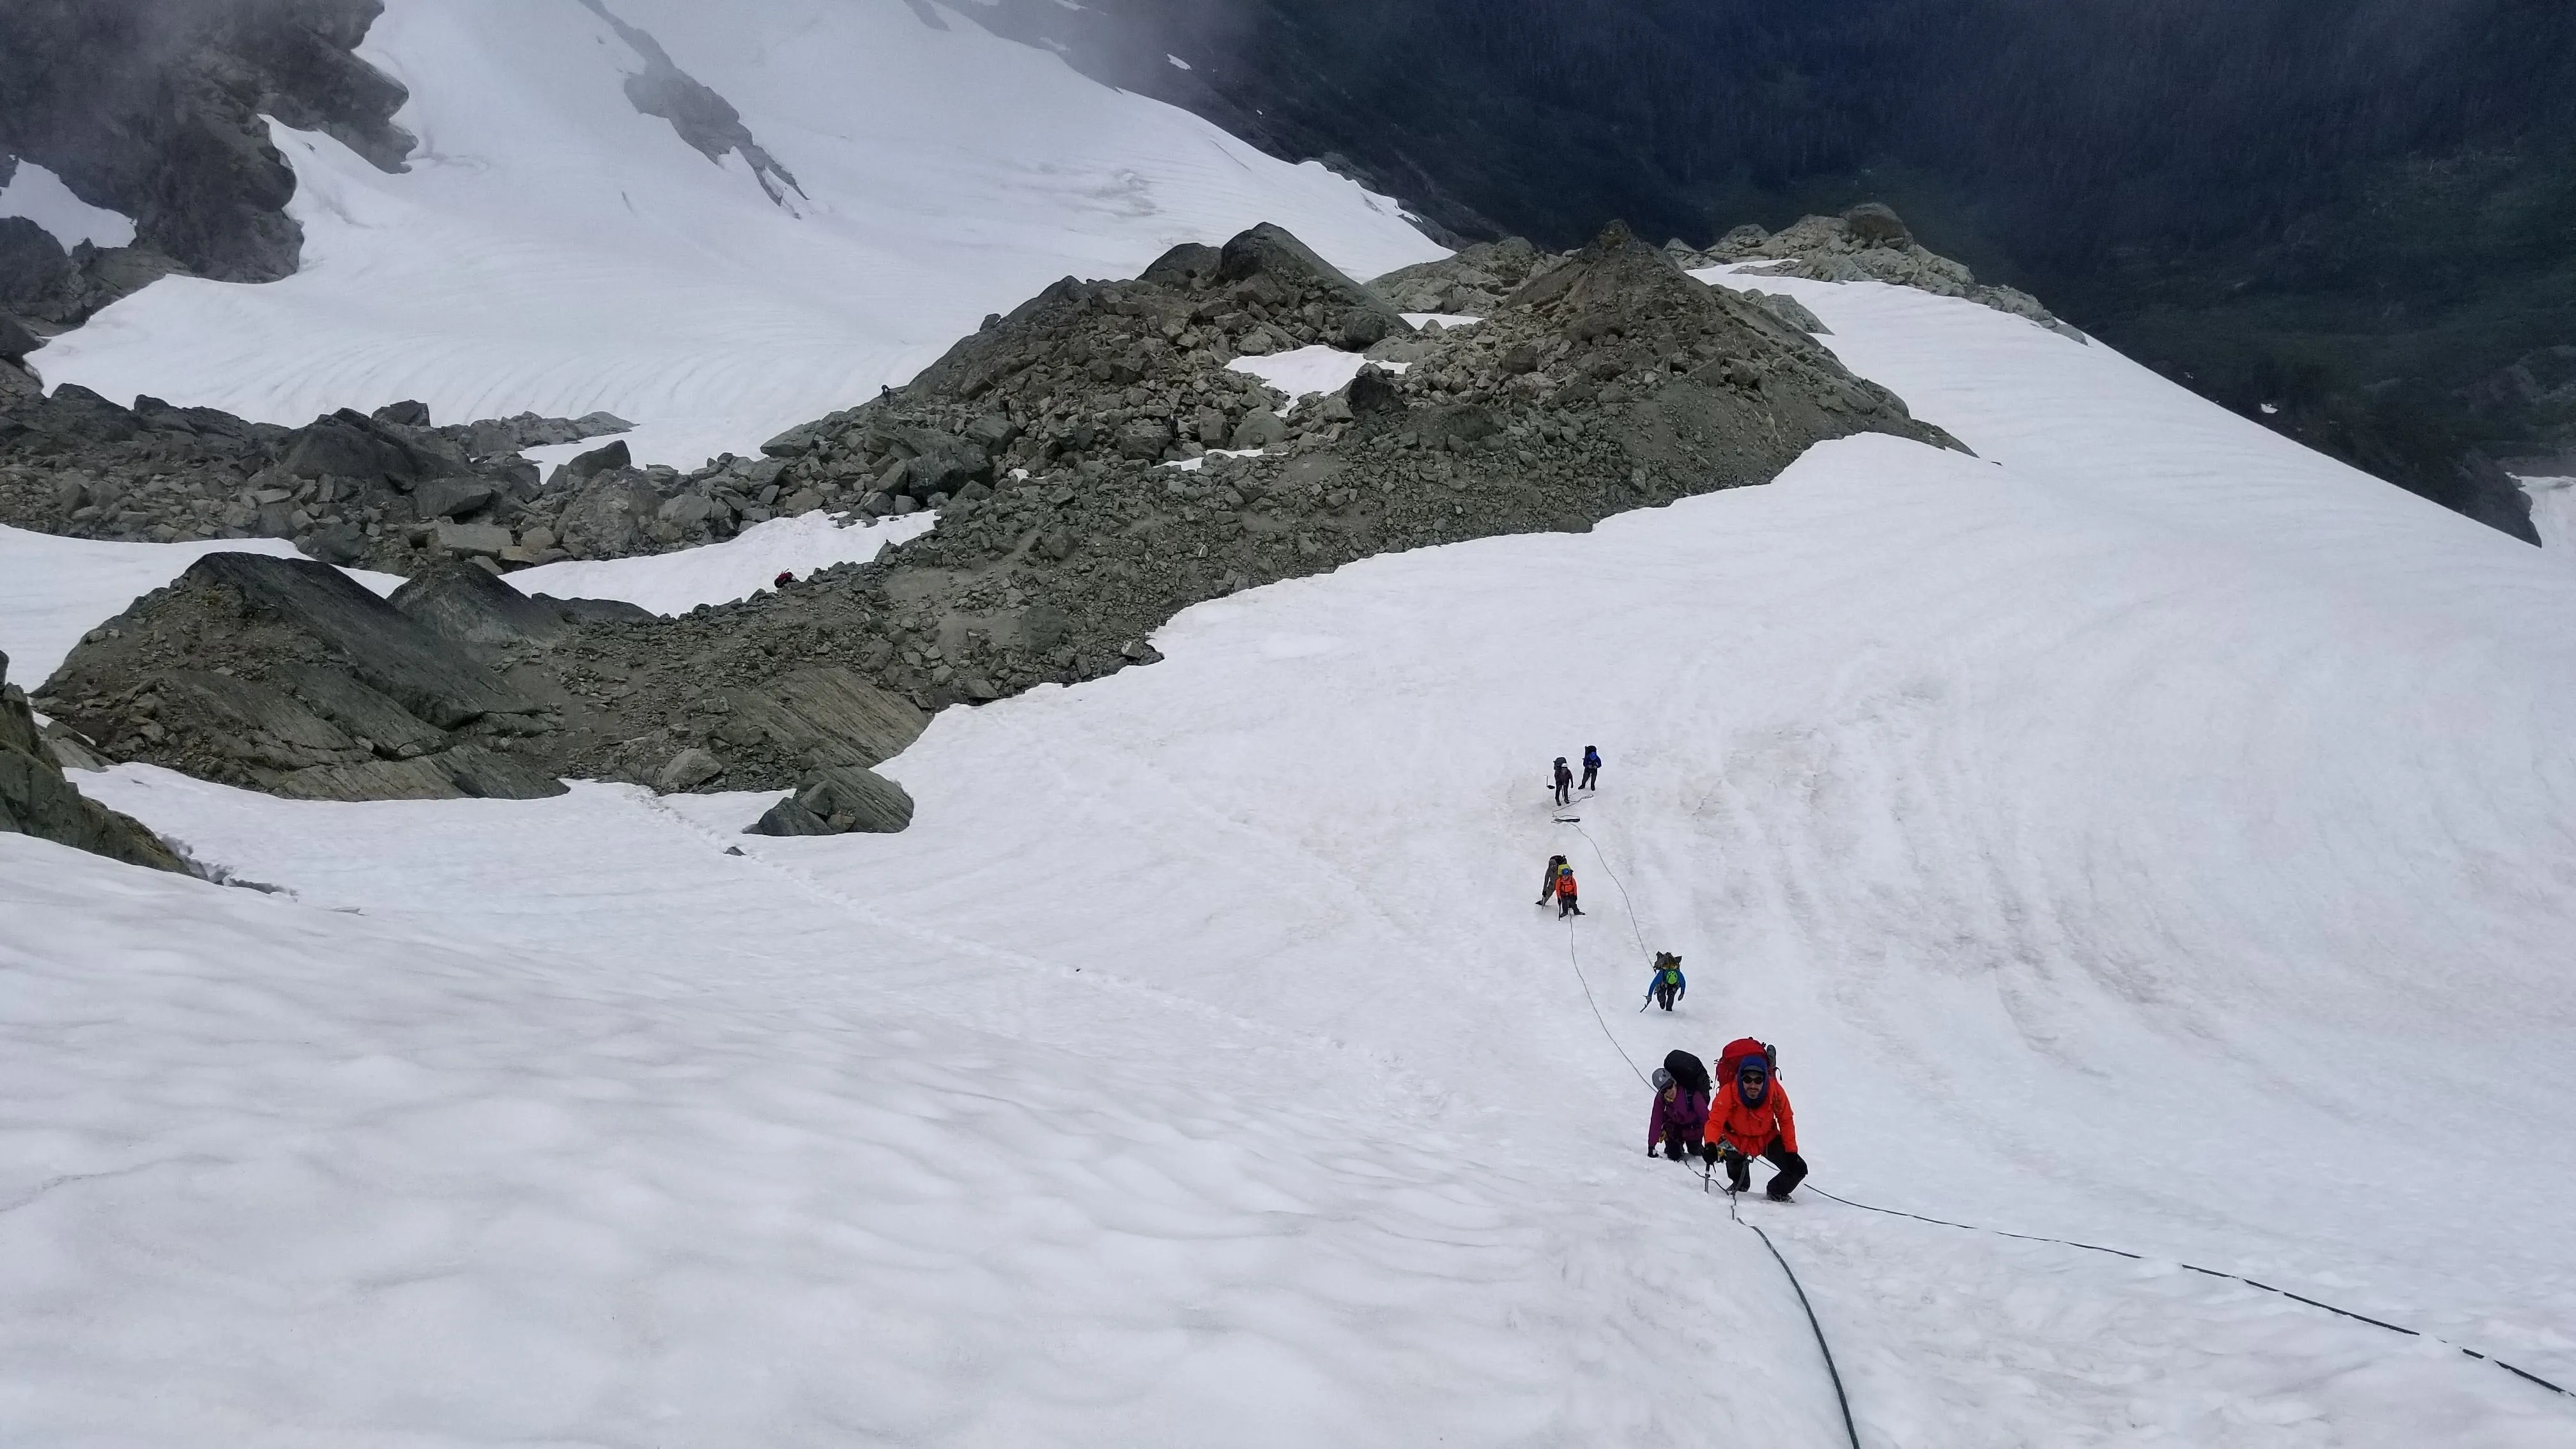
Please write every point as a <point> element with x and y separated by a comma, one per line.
<point>1750,1117</point>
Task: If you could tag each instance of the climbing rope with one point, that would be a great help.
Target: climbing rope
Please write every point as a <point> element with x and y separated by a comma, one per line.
<point>1634,926</point>
<point>1624,903</point>
<point>1841,1399</point>
<point>2205,1272</point>
<point>1576,959</point>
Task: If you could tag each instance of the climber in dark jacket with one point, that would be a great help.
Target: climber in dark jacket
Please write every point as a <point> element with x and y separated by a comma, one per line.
<point>1591,767</point>
<point>1564,779</point>
<point>1547,882</point>
<point>1680,1114</point>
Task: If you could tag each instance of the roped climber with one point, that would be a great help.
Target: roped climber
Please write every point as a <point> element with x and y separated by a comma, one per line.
<point>1749,1117</point>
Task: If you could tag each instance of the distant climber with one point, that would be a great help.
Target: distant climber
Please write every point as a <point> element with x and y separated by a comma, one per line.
<point>785,577</point>
<point>1750,1118</point>
<point>1680,1113</point>
<point>1566,903</point>
<point>1591,766</point>
<point>1668,985</point>
<point>1564,782</point>
<point>1547,882</point>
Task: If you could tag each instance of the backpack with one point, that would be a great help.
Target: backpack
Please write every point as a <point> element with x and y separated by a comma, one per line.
<point>1688,1071</point>
<point>1732,1059</point>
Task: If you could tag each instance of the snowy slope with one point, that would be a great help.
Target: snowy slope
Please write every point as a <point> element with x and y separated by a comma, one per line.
<point>553,250</point>
<point>2144,832</point>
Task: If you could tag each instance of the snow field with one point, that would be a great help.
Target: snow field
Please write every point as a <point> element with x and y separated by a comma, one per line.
<point>552,250</point>
<point>2144,832</point>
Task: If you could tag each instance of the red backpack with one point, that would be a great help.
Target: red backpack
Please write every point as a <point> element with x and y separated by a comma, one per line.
<point>1730,1061</point>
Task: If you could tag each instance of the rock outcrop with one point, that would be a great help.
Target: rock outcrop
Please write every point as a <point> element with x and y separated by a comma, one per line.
<point>35,798</point>
<point>1071,449</point>
<point>1868,243</point>
<point>1470,283</point>
<point>388,490</point>
<point>157,109</point>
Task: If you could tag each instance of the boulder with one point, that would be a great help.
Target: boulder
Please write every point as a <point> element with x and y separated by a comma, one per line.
<point>689,510</point>
<point>1269,251</point>
<point>408,414</point>
<point>367,716</point>
<point>606,518</point>
<point>450,498</point>
<point>432,678</point>
<point>15,340</point>
<point>606,459</point>
<point>687,770</point>
<point>1361,329</point>
<point>992,432</point>
<point>471,605</point>
<point>471,540</point>
<point>468,772</point>
<point>1145,439</point>
<point>340,543</point>
<point>1184,266</point>
<point>1259,429</point>
<point>826,717</point>
<point>36,800</point>
<point>789,818</point>
<point>851,798</point>
<point>1874,224</point>
<point>349,444</point>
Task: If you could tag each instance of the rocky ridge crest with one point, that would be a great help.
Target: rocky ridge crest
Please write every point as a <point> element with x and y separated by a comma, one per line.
<point>1068,448</point>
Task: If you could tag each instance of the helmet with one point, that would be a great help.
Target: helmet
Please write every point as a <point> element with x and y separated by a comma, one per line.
<point>1663,1079</point>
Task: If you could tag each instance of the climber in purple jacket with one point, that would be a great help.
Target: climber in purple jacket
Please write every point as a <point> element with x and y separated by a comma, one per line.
<point>1680,1116</point>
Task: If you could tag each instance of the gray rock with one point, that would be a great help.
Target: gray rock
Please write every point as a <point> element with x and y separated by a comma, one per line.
<point>485,540</point>
<point>689,509</point>
<point>430,677</point>
<point>36,800</point>
<point>687,770</point>
<point>789,818</point>
<point>606,518</point>
<point>1259,429</point>
<point>468,772</point>
<point>349,444</point>
<point>450,498</point>
<point>360,712</point>
<point>410,414</point>
<point>827,717</point>
<point>610,458</point>
<point>1790,310</point>
<point>336,543</point>
<point>1874,224</point>
<point>1145,438</point>
<point>850,798</point>
<point>15,340</point>
<point>992,432</point>
<point>469,605</point>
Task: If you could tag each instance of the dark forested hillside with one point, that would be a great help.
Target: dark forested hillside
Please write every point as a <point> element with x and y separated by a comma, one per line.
<point>2359,213</point>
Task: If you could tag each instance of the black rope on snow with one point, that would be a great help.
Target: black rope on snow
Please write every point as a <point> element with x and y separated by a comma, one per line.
<point>1850,1430</point>
<point>1576,960</point>
<point>1628,905</point>
<point>2205,1272</point>
<point>1633,925</point>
